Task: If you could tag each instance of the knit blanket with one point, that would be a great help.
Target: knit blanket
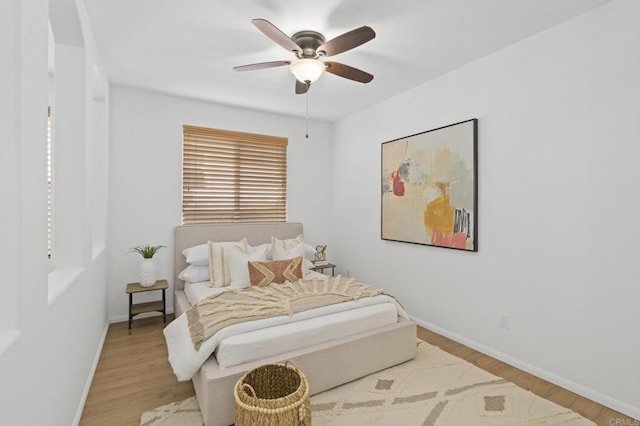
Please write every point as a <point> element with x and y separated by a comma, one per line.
<point>212,314</point>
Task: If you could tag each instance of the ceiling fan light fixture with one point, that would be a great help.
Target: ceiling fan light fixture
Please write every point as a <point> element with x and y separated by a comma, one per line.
<point>307,70</point>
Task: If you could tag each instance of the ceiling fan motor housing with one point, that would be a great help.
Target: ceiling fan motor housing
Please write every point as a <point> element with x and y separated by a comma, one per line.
<point>308,41</point>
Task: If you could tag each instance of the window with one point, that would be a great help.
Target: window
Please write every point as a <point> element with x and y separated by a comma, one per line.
<point>233,177</point>
<point>49,185</point>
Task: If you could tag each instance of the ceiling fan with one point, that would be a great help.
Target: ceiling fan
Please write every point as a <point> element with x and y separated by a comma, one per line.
<point>309,46</point>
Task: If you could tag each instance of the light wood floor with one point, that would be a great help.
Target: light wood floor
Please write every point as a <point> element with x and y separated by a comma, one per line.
<point>133,376</point>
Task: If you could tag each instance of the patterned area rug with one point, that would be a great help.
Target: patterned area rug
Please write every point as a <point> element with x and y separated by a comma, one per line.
<point>436,388</point>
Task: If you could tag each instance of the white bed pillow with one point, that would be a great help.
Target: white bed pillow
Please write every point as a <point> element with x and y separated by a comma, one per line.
<point>199,255</point>
<point>309,252</point>
<point>218,260</point>
<point>294,247</point>
<point>253,249</point>
<point>239,265</point>
<point>195,273</point>
<point>287,249</point>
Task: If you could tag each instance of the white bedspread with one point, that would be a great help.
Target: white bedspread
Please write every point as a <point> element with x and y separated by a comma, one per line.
<point>268,342</point>
<point>195,292</point>
<point>186,361</point>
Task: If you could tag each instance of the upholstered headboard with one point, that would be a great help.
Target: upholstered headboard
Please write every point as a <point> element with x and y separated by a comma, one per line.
<point>256,233</point>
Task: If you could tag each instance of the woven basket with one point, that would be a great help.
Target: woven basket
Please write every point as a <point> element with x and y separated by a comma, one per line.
<point>273,394</point>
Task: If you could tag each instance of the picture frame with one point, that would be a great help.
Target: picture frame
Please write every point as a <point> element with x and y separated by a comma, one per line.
<point>430,187</point>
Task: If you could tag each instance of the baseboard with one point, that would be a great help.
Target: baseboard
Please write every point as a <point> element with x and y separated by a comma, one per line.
<point>119,318</point>
<point>87,386</point>
<point>584,391</point>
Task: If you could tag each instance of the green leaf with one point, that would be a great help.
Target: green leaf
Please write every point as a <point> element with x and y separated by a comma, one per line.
<point>145,250</point>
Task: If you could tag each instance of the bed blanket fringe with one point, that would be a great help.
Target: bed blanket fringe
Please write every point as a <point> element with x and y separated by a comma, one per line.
<point>221,310</point>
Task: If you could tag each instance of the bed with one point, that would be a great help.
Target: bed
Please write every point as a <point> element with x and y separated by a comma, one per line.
<point>327,364</point>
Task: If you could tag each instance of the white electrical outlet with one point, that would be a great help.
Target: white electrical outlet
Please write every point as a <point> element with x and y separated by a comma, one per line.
<point>503,321</point>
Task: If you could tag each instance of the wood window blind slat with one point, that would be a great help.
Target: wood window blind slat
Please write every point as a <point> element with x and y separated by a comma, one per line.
<point>232,176</point>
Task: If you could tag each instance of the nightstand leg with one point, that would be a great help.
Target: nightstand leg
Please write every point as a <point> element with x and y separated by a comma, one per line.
<point>130,305</point>
<point>164,307</point>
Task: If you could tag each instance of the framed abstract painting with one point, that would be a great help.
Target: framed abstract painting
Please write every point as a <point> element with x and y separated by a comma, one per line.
<point>430,187</point>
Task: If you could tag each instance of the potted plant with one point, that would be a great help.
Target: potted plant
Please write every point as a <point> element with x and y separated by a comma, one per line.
<point>147,267</point>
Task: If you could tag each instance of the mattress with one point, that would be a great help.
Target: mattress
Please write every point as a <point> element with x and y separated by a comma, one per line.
<point>266,342</point>
<point>255,340</point>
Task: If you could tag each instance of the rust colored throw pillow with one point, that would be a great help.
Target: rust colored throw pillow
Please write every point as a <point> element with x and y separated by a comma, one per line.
<point>264,273</point>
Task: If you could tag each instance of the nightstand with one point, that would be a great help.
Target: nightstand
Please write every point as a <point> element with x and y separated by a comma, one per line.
<point>321,268</point>
<point>155,306</point>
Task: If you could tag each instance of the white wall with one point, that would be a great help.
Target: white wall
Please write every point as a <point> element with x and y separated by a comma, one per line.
<point>558,146</point>
<point>559,226</point>
<point>146,177</point>
<point>51,325</point>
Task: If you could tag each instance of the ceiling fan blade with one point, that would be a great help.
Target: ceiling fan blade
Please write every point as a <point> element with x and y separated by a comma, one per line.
<point>346,41</point>
<point>301,87</point>
<point>275,34</point>
<point>261,65</point>
<point>346,71</point>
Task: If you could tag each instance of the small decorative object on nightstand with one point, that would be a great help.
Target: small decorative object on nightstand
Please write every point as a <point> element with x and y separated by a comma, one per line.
<point>320,256</point>
<point>140,308</point>
<point>320,262</point>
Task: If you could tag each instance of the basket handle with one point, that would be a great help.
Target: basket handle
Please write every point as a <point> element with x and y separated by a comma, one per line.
<point>247,387</point>
<point>293,365</point>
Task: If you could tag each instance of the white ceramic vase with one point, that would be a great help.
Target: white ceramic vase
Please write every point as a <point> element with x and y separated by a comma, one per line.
<point>147,273</point>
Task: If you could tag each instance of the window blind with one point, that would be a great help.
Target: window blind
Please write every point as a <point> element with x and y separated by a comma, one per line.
<point>232,176</point>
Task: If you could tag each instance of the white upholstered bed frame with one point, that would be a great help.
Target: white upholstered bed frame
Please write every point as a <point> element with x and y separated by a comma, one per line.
<point>326,365</point>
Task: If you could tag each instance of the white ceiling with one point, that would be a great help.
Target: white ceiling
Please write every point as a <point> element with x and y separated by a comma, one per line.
<point>188,47</point>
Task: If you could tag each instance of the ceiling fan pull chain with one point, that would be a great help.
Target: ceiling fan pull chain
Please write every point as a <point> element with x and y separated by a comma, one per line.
<point>307,134</point>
